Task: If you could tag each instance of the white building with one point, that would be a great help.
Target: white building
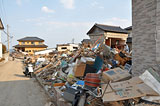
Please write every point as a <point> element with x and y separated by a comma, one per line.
<point>65,47</point>
<point>1,28</point>
<point>46,51</point>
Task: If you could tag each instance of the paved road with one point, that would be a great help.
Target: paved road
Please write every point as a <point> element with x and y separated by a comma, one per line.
<point>17,90</point>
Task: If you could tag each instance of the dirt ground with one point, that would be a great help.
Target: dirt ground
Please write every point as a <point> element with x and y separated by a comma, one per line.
<point>18,90</point>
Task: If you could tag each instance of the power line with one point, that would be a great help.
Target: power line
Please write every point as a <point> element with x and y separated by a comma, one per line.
<point>2,15</point>
<point>7,34</point>
<point>4,11</point>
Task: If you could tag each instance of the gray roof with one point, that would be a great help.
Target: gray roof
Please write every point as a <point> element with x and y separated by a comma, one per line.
<point>108,28</point>
<point>128,28</point>
<point>1,24</point>
<point>86,41</point>
<point>30,39</point>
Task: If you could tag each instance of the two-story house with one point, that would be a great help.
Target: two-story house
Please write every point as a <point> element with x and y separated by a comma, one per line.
<point>30,45</point>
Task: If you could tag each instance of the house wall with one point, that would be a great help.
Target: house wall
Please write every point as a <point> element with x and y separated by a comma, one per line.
<point>0,50</point>
<point>97,38</point>
<point>33,49</point>
<point>29,43</point>
<point>97,34</point>
<point>68,47</point>
<point>158,31</point>
<point>146,34</point>
<point>0,46</point>
<point>130,33</point>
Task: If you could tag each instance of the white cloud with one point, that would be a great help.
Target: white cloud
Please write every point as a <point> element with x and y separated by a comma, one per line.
<point>39,19</point>
<point>118,22</point>
<point>70,24</point>
<point>101,7</point>
<point>47,10</point>
<point>19,2</point>
<point>94,3</point>
<point>57,30</point>
<point>97,5</point>
<point>57,24</point>
<point>69,4</point>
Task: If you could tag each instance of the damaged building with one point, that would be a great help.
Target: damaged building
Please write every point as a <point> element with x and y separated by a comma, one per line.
<point>109,35</point>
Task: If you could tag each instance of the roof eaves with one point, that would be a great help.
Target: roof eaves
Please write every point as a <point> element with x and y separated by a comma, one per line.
<point>1,24</point>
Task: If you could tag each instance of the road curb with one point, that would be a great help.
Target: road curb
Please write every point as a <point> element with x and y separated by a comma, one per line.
<point>51,98</point>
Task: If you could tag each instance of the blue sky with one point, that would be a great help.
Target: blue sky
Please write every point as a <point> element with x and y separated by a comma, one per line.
<point>60,21</point>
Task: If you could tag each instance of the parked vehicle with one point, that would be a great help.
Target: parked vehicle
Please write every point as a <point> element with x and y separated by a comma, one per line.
<point>28,70</point>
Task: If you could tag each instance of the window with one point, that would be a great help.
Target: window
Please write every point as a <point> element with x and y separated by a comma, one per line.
<point>75,48</point>
<point>23,43</point>
<point>40,43</point>
<point>64,48</point>
<point>32,43</point>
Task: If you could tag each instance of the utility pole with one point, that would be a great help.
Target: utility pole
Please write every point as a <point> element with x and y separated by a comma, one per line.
<point>73,40</point>
<point>8,37</point>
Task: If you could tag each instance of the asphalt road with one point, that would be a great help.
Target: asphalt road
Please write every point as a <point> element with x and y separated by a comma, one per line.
<point>18,90</point>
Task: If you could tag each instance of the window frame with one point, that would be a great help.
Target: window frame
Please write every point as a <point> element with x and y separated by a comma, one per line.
<point>23,43</point>
<point>33,43</point>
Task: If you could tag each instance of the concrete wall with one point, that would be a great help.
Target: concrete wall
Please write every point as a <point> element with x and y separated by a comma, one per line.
<point>145,40</point>
<point>69,47</point>
<point>32,50</point>
<point>97,38</point>
<point>158,31</point>
<point>97,34</point>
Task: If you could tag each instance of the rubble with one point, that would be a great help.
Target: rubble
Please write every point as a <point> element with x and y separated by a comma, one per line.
<point>93,77</point>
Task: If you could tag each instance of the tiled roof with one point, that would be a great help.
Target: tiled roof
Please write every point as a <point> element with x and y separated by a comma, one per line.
<point>86,41</point>
<point>128,28</point>
<point>32,46</point>
<point>1,24</point>
<point>108,28</point>
<point>30,39</point>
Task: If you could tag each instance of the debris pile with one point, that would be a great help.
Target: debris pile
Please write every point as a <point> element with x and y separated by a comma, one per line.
<point>97,76</point>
